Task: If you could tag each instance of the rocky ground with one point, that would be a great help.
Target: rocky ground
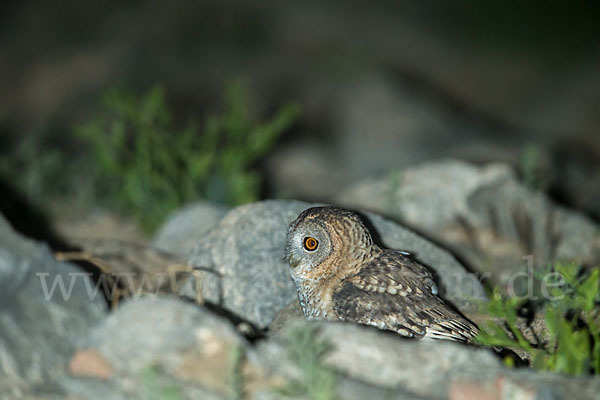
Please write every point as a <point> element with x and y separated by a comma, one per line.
<point>207,308</point>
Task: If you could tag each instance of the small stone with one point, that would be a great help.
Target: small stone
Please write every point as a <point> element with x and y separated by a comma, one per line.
<point>461,390</point>
<point>90,363</point>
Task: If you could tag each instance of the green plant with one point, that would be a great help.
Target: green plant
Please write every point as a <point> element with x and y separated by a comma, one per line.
<point>236,380</point>
<point>158,386</point>
<point>531,168</point>
<point>307,350</point>
<point>571,316</point>
<point>146,166</point>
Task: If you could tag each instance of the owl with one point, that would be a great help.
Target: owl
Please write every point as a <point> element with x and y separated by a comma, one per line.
<point>341,274</point>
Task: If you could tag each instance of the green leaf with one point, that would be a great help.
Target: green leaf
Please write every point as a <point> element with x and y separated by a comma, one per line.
<point>569,271</point>
<point>588,291</point>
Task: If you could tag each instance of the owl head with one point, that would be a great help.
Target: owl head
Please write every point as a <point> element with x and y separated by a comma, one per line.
<point>323,236</point>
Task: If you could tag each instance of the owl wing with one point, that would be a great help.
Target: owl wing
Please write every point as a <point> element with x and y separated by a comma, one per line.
<point>396,293</point>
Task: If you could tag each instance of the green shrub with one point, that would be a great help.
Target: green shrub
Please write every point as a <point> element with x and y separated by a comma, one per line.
<point>571,316</point>
<point>145,166</point>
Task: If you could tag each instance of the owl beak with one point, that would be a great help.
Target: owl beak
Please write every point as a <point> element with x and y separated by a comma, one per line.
<point>290,259</point>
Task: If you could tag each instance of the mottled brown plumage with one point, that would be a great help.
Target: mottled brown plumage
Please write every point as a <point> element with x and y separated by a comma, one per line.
<point>347,277</point>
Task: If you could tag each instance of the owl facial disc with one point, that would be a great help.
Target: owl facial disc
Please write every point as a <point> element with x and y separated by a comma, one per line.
<point>308,244</point>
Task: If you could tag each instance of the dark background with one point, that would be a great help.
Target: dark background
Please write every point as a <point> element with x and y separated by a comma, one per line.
<point>381,85</point>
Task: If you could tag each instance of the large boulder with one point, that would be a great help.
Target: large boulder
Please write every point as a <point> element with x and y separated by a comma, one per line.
<point>483,213</point>
<point>246,275</point>
<point>416,369</point>
<point>182,230</point>
<point>46,308</point>
<point>155,348</point>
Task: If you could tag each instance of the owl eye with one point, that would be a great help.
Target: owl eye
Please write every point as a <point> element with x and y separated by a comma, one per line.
<point>310,243</point>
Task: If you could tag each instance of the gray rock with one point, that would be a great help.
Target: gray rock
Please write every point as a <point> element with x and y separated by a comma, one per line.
<point>156,346</point>
<point>351,389</point>
<point>430,195</point>
<point>423,368</point>
<point>158,330</point>
<point>94,389</point>
<point>245,254</point>
<point>417,369</point>
<point>180,233</point>
<point>42,321</point>
<point>159,347</point>
<point>483,213</point>
<point>249,278</point>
